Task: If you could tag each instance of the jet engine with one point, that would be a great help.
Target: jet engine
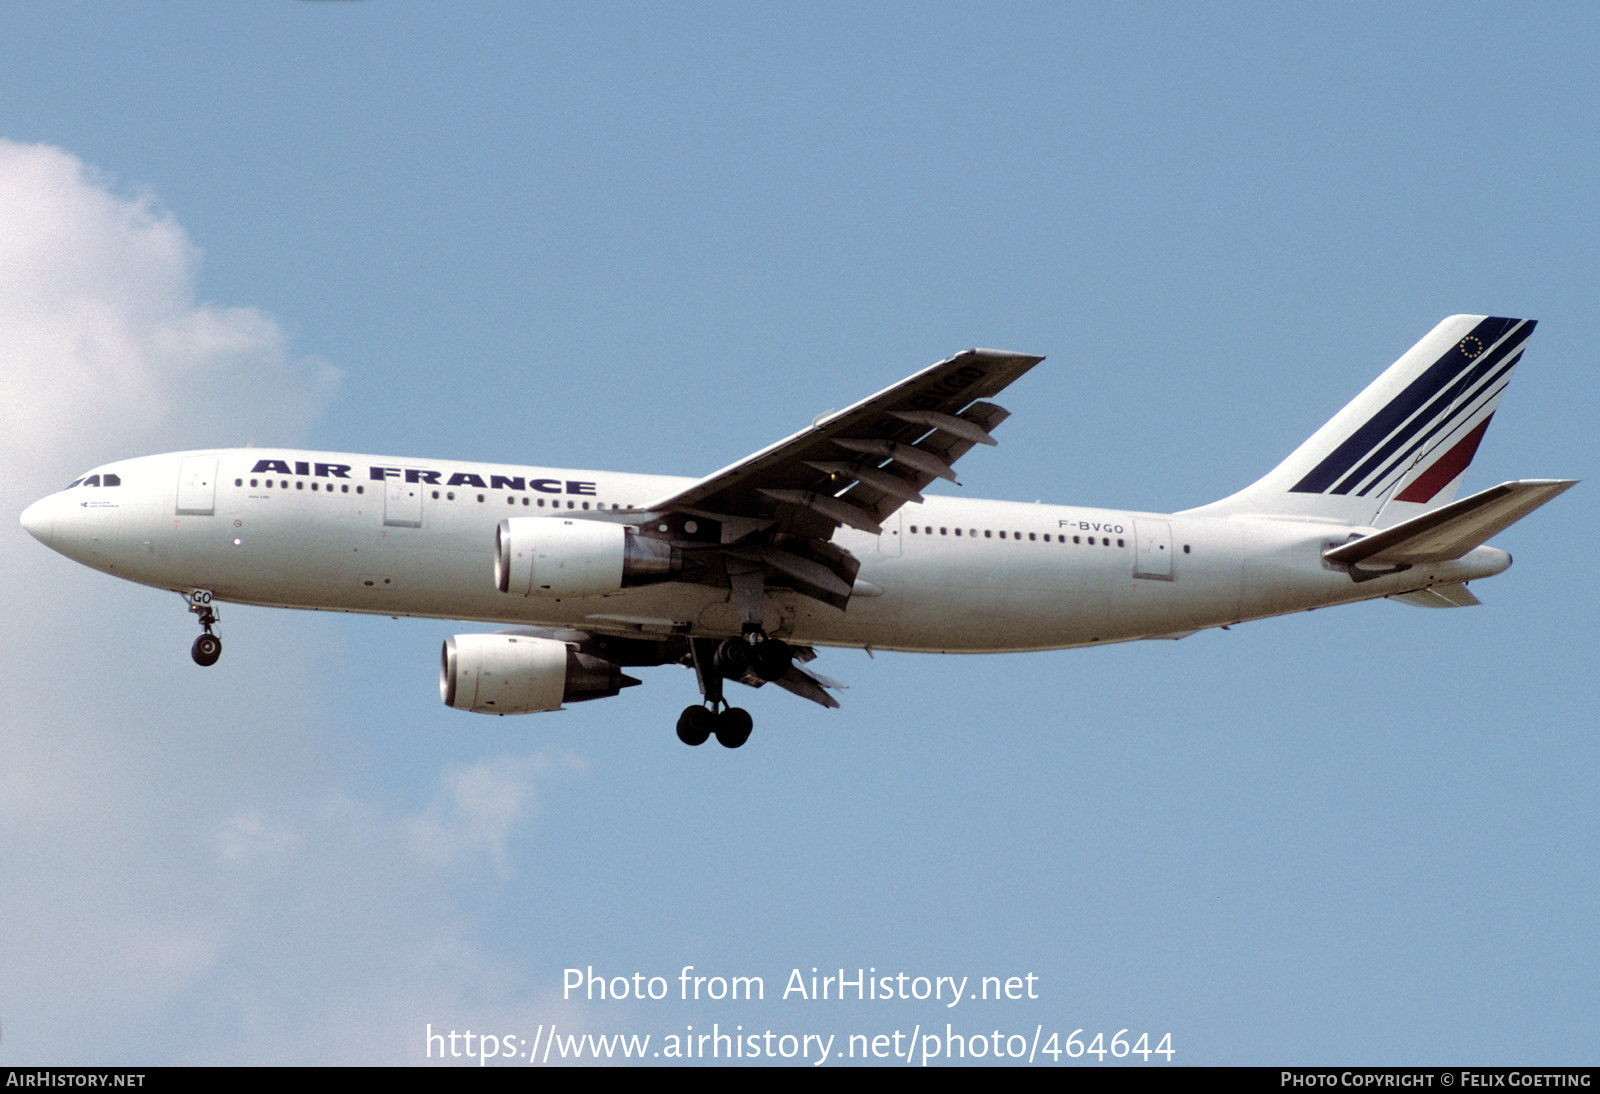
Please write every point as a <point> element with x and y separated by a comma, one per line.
<point>559,558</point>
<point>520,674</point>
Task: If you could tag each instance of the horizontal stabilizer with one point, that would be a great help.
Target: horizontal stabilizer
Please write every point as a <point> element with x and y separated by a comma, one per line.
<point>1451,530</point>
<point>1440,596</point>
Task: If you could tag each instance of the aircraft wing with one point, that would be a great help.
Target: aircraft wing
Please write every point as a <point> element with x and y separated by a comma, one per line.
<point>856,466</point>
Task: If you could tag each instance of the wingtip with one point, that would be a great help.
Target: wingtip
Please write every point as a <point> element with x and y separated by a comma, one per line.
<point>1005,354</point>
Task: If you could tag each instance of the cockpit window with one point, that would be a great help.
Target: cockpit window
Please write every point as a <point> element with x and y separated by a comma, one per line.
<point>74,482</point>
<point>96,480</point>
<point>110,480</point>
<point>92,480</point>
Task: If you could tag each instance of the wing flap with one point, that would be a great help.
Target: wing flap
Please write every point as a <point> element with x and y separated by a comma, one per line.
<point>1439,596</point>
<point>808,686</point>
<point>1451,530</point>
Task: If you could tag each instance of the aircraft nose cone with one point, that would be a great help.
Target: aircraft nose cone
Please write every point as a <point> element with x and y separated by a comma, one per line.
<point>39,521</point>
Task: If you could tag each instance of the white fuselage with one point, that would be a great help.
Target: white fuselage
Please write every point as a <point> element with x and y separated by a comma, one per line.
<point>416,537</point>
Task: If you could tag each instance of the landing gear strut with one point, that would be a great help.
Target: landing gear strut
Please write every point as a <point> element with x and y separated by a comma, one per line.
<point>732,659</point>
<point>208,647</point>
<point>715,662</point>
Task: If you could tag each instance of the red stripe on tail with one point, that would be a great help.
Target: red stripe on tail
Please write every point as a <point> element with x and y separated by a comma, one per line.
<point>1443,472</point>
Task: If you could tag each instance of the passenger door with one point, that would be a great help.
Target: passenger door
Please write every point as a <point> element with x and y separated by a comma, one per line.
<point>402,503</point>
<point>197,486</point>
<point>1152,541</point>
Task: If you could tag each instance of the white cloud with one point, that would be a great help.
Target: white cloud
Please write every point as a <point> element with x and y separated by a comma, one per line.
<point>482,806</point>
<point>186,876</point>
<point>104,350</point>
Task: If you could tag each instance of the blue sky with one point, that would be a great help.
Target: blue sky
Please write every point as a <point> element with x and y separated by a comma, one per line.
<point>657,238</point>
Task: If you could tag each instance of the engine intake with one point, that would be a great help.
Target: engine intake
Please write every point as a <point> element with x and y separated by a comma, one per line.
<point>521,674</point>
<point>560,558</point>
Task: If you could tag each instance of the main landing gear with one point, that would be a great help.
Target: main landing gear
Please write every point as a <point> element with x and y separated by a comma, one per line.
<point>730,659</point>
<point>767,657</point>
<point>732,725</point>
<point>208,647</point>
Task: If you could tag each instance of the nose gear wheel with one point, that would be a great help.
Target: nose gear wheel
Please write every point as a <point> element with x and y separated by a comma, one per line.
<point>208,647</point>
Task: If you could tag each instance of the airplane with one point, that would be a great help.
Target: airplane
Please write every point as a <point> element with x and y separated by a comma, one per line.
<point>822,539</point>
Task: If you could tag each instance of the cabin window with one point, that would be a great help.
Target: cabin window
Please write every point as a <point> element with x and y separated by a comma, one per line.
<point>450,496</point>
<point>436,495</point>
<point>1185,548</point>
<point>1078,539</point>
<point>252,482</point>
<point>345,489</point>
<point>941,531</point>
<point>958,531</point>
<point>1120,543</point>
<point>238,482</point>
<point>1031,538</point>
<point>480,497</point>
<point>361,489</point>
<point>988,535</point>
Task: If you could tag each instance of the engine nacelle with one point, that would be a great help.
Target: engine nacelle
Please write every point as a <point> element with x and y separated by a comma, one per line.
<point>521,674</point>
<point>569,558</point>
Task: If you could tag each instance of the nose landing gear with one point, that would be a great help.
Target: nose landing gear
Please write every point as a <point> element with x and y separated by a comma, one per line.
<point>206,650</point>
<point>208,647</point>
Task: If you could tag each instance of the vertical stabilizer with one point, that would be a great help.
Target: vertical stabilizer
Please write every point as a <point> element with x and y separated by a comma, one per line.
<point>1401,446</point>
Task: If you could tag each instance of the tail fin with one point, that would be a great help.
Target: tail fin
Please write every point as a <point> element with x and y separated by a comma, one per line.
<point>1401,446</point>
